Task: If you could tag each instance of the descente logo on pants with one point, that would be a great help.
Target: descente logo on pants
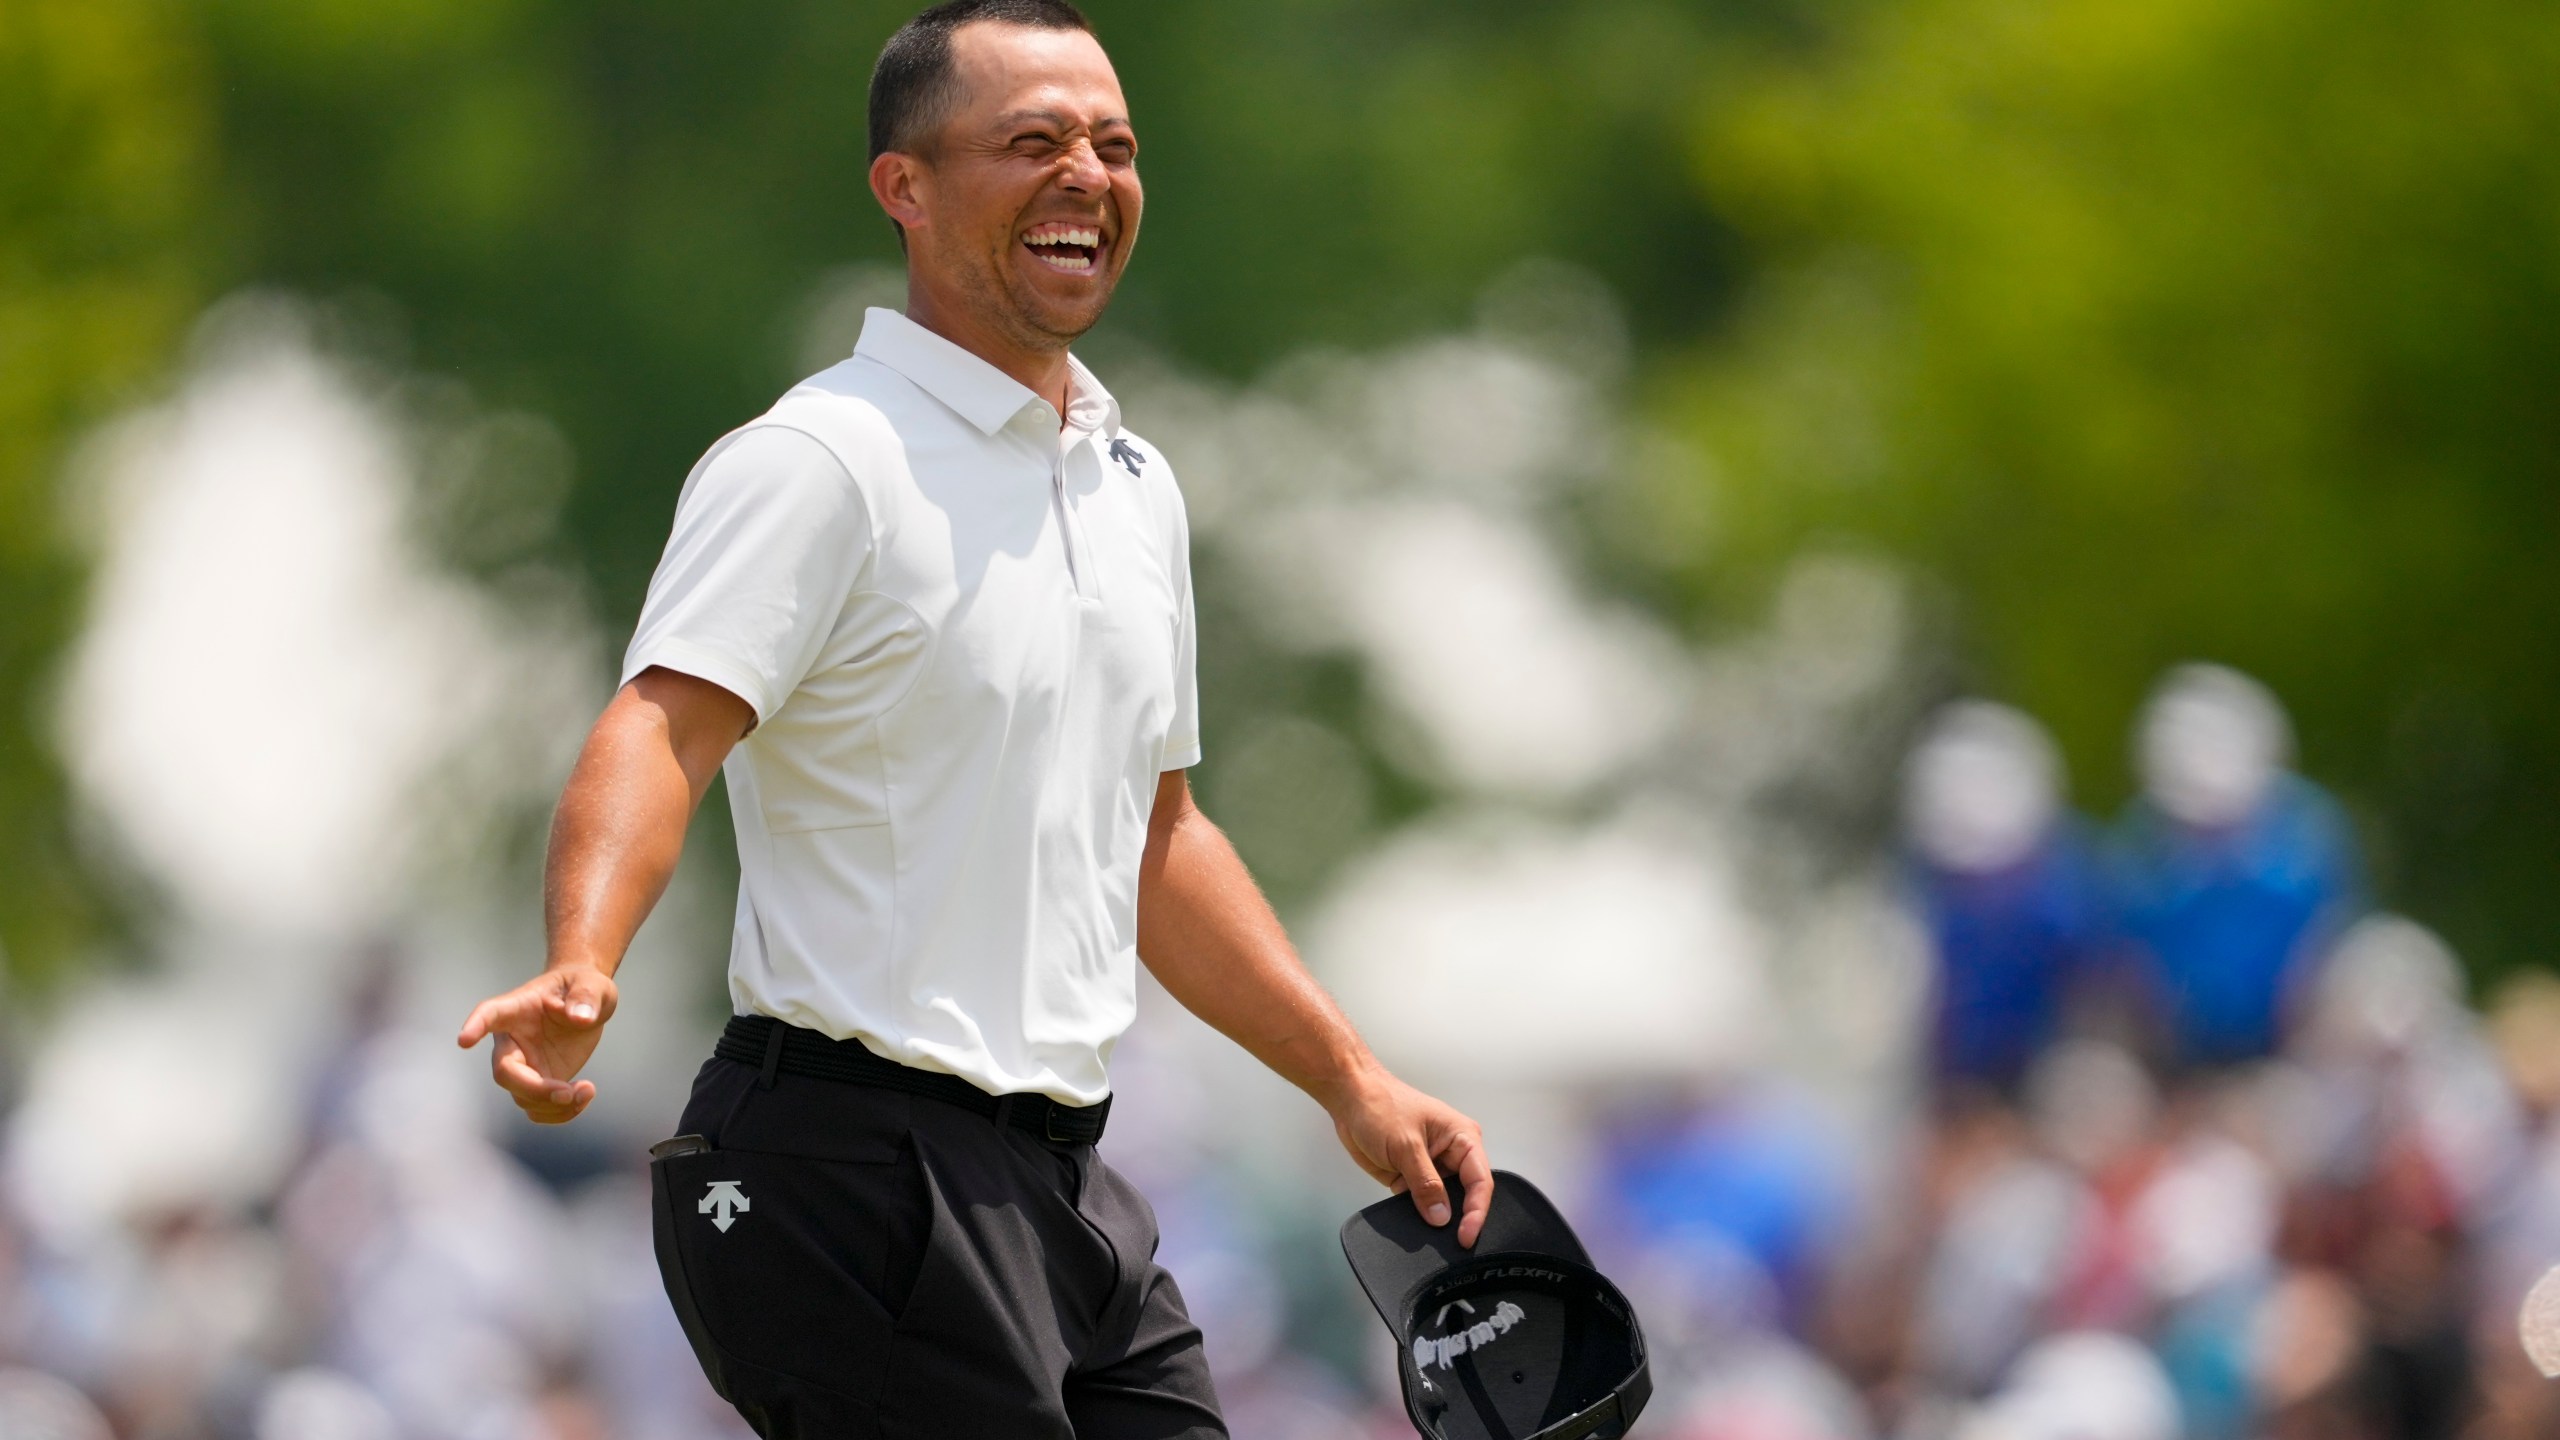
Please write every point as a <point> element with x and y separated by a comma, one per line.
<point>722,1198</point>
<point>1447,1348</point>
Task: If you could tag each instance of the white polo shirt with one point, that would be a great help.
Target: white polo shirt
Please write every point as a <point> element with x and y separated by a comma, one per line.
<point>967,636</point>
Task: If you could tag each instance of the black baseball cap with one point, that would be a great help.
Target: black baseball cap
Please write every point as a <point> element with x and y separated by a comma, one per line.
<point>1516,1339</point>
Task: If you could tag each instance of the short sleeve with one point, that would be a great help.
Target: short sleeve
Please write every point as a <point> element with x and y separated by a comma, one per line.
<point>1182,739</point>
<point>770,538</point>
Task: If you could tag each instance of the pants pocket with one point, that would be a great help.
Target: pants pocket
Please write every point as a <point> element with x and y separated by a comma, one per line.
<point>788,1275</point>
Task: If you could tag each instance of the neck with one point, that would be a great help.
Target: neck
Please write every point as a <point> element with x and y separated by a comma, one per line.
<point>1041,366</point>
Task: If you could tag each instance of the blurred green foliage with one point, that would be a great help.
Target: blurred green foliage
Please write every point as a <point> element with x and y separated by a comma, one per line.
<point>2167,329</point>
<point>616,215</point>
<point>2156,329</point>
<point>101,138</point>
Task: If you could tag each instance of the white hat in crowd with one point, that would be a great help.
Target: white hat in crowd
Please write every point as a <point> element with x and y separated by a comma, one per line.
<point>2210,745</point>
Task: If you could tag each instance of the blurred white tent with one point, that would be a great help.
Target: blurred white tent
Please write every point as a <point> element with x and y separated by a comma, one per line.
<point>274,672</point>
<point>290,719</point>
<point>1537,955</point>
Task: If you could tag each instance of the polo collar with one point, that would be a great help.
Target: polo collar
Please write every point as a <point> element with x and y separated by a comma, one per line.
<point>979,392</point>
<point>1089,406</point>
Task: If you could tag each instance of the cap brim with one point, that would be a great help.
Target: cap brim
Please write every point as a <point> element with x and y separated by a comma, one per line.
<point>1394,1251</point>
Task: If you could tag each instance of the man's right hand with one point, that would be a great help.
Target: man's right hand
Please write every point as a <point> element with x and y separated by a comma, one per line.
<point>614,843</point>
<point>546,1029</point>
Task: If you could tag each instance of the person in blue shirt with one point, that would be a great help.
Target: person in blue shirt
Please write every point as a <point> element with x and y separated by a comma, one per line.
<point>1733,1197</point>
<point>2232,872</point>
<point>2003,880</point>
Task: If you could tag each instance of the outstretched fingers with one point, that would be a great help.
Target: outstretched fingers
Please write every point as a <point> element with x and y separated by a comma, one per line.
<point>544,1029</point>
<point>577,998</point>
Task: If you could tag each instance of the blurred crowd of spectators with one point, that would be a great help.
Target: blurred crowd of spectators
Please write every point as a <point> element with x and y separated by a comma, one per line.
<point>2200,1148</point>
<point>2207,1149</point>
<point>411,1278</point>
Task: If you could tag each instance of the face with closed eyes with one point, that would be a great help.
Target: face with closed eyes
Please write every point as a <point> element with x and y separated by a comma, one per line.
<point>1024,205</point>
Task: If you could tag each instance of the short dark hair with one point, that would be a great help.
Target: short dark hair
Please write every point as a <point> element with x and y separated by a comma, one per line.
<point>911,86</point>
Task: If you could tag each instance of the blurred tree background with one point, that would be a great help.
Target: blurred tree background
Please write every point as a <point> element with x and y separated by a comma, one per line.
<point>103,107</point>
<point>2147,329</point>
<point>2173,330</point>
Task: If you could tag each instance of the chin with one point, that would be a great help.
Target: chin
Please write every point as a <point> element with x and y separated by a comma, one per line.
<point>1060,316</point>
<point>1071,324</point>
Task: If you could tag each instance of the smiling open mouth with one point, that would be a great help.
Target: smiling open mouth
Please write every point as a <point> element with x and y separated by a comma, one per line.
<point>1066,248</point>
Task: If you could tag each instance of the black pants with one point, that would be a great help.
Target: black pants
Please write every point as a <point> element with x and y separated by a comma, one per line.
<point>894,1266</point>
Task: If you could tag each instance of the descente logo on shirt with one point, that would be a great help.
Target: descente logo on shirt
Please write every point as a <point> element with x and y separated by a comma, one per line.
<point>1445,1350</point>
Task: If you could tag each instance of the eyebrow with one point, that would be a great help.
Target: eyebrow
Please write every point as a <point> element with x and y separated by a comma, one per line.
<point>1058,118</point>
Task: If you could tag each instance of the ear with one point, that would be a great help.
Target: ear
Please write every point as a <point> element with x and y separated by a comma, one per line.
<point>903,186</point>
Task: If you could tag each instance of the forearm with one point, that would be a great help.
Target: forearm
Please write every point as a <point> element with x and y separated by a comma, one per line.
<point>620,827</point>
<point>1206,932</point>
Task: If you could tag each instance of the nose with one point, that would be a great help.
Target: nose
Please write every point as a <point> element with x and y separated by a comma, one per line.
<point>1081,171</point>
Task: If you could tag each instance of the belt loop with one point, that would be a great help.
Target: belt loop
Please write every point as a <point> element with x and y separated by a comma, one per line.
<point>1004,1109</point>
<point>772,1071</point>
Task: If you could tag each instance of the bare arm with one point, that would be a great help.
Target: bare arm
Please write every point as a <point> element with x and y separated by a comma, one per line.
<point>1209,936</point>
<point>614,844</point>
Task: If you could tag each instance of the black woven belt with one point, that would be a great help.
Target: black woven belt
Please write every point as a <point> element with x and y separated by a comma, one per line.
<point>777,1048</point>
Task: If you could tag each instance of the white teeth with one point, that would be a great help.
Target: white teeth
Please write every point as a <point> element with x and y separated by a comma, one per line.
<point>1049,243</point>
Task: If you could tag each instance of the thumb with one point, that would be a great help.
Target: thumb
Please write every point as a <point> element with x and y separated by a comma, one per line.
<point>582,997</point>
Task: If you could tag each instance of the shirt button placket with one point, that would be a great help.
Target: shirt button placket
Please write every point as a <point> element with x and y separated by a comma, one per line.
<point>1070,528</point>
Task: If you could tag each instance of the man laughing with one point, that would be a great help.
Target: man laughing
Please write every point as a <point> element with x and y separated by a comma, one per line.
<point>931,615</point>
